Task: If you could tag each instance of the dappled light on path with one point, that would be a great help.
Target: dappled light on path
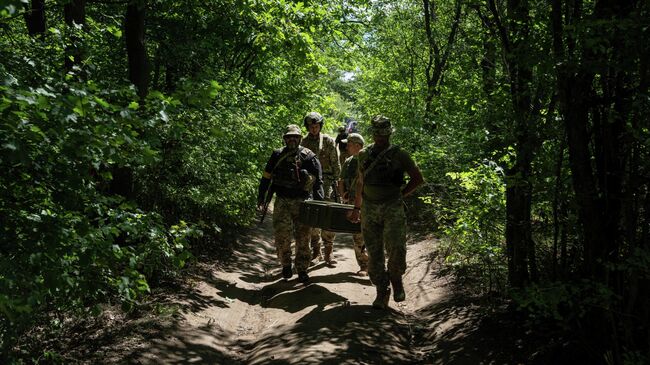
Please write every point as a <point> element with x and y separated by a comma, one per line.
<point>240,310</point>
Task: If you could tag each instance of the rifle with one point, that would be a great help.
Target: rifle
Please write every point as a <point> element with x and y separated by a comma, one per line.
<point>268,195</point>
<point>267,199</point>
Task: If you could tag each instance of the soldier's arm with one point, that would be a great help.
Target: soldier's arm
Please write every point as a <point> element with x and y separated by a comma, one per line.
<point>355,214</point>
<point>335,162</point>
<point>415,176</point>
<point>265,181</point>
<point>358,199</point>
<point>342,193</point>
<point>416,179</point>
<point>314,168</point>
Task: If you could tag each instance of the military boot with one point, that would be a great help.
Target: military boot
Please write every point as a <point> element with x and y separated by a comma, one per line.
<point>329,259</point>
<point>287,272</point>
<point>398,288</point>
<point>383,296</point>
<point>303,277</point>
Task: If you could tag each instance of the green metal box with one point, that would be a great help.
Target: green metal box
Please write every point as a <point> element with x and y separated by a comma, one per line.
<point>329,216</point>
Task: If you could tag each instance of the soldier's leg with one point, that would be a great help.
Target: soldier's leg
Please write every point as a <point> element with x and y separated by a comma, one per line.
<point>328,246</point>
<point>283,232</point>
<point>328,236</point>
<point>395,241</point>
<point>360,253</point>
<point>314,234</point>
<point>302,242</point>
<point>302,251</point>
<point>372,230</point>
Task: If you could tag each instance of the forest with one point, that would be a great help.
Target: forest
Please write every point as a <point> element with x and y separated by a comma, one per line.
<point>133,134</point>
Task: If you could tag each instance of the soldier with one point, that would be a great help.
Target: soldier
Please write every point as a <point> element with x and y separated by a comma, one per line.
<point>325,149</point>
<point>289,173</point>
<point>347,188</point>
<point>383,222</point>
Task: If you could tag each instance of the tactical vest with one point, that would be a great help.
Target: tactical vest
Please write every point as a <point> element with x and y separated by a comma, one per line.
<point>286,173</point>
<point>385,171</point>
<point>321,146</point>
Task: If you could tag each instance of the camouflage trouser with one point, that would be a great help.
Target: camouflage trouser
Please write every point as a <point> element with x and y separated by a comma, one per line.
<point>360,251</point>
<point>383,226</point>
<point>285,225</point>
<point>317,233</point>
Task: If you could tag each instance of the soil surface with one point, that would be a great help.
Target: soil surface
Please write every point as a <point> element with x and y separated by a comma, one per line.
<point>241,311</point>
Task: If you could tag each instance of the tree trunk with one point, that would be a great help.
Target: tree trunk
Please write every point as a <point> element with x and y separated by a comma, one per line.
<point>75,16</point>
<point>556,207</point>
<point>518,185</point>
<point>35,18</point>
<point>437,59</point>
<point>518,227</point>
<point>134,32</point>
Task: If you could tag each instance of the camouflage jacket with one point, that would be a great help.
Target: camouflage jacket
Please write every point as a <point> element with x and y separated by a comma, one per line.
<point>325,149</point>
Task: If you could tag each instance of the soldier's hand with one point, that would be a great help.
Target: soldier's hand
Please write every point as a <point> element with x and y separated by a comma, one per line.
<point>354,215</point>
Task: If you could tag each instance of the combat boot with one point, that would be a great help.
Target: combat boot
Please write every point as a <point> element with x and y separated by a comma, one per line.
<point>303,277</point>
<point>287,272</point>
<point>383,296</point>
<point>398,289</point>
<point>329,260</point>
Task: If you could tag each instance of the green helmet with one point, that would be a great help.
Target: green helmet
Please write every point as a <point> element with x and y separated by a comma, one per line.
<point>311,118</point>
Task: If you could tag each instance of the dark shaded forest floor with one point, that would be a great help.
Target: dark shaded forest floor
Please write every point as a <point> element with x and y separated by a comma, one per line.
<point>239,310</point>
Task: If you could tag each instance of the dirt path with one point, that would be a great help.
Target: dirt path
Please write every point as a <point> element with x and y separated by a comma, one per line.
<point>241,311</point>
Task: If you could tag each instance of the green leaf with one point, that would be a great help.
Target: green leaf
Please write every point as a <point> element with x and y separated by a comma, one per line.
<point>115,31</point>
<point>102,102</point>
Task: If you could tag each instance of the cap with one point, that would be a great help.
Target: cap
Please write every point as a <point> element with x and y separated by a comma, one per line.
<point>292,130</point>
<point>380,125</point>
<point>354,138</point>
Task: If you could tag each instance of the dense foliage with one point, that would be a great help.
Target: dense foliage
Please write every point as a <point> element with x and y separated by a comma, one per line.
<point>126,146</point>
<point>132,134</point>
<point>528,119</point>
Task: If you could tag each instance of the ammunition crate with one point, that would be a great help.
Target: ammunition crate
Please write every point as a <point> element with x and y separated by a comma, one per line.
<point>329,216</point>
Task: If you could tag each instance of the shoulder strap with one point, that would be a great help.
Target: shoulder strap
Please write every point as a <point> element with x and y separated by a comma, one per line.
<point>306,154</point>
<point>282,158</point>
<point>377,159</point>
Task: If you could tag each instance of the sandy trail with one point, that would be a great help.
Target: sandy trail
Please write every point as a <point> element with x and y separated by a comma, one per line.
<point>241,311</point>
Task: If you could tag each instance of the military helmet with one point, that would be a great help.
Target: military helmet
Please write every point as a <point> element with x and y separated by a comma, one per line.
<point>292,130</point>
<point>380,125</point>
<point>311,118</point>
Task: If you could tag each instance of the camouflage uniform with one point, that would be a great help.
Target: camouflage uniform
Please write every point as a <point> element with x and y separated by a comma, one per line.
<point>349,177</point>
<point>325,149</point>
<point>383,221</point>
<point>290,170</point>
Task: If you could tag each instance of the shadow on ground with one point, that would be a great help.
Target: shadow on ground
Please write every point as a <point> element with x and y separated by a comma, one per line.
<point>358,334</point>
<point>450,328</point>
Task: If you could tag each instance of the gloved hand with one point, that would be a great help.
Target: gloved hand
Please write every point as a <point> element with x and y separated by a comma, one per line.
<point>306,180</point>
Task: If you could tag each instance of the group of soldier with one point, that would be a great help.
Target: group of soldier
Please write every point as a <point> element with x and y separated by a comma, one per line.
<point>370,178</point>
